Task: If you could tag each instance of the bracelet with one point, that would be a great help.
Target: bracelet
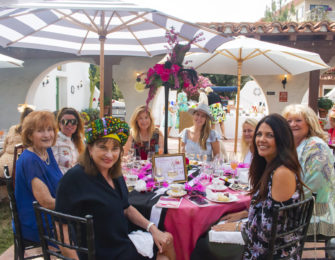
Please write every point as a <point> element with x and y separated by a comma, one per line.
<point>237,225</point>
<point>149,226</point>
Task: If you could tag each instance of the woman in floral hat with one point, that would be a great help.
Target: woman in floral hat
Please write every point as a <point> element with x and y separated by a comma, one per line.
<point>96,187</point>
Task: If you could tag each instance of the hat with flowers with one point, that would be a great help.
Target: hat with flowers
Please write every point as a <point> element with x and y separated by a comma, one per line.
<point>107,127</point>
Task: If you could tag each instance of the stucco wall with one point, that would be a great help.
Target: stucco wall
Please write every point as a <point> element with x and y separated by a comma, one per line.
<point>125,76</point>
<point>16,82</point>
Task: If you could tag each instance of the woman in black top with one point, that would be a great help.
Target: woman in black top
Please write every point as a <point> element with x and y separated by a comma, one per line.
<point>96,187</point>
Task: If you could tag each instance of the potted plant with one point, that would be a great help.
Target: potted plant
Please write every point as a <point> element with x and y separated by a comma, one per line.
<point>324,104</point>
<point>107,104</point>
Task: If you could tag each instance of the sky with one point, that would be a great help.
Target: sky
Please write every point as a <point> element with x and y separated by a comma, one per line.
<point>211,10</point>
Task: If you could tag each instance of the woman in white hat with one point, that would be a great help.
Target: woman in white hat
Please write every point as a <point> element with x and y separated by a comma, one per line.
<point>200,138</point>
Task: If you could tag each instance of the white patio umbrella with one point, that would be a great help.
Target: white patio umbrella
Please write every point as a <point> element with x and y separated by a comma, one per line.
<point>109,27</point>
<point>248,56</point>
<point>9,62</point>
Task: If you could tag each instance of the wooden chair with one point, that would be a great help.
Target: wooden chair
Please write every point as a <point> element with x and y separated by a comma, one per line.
<point>18,149</point>
<point>77,228</point>
<point>20,244</point>
<point>297,217</point>
<point>185,121</point>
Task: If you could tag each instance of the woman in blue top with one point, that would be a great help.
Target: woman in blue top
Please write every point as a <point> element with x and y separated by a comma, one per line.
<point>37,172</point>
<point>199,138</point>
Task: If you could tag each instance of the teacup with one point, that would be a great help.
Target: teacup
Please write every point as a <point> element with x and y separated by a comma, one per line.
<point>176,188</point>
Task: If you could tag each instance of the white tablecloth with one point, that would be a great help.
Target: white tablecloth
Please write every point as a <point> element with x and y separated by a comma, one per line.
<point>229,124</point>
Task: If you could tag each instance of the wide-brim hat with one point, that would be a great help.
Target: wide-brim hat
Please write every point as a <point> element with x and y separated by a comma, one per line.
<point>202,108</point>
<point>107,127</point>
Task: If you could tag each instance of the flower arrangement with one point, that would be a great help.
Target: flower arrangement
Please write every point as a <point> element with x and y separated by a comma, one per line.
<point>172,73</point>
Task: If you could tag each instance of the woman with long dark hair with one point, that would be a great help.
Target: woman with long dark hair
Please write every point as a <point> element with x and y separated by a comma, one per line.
<point>275,180</point>
<point>70,140</point>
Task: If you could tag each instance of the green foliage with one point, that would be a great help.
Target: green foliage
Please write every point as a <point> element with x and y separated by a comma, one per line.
<point>90,114</point>
<point>117,94</point>
<point>94,76</point>
<point>6,232</point>
<point>227,80</point>
<point>325,103</point>
<point>278,14</point>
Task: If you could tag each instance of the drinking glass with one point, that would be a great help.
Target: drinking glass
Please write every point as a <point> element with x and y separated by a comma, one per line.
<point>171,174</point>
<point>159,176</point>
<point>233,162</point>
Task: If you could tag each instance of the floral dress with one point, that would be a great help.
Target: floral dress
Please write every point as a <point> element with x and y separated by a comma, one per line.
<point>317,160</point>
<point>182,105</point>
<point>257,231</point>
<point>143,148</point>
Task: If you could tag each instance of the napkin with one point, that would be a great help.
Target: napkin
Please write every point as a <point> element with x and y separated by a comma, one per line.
<point>227,237</point>
<point>143,242</point>
<point>140,186</point>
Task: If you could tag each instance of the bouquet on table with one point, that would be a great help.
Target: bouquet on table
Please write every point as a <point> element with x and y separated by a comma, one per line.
<point>172,73</point>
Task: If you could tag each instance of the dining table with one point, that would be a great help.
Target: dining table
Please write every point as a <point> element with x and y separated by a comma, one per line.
<point>187,222</point>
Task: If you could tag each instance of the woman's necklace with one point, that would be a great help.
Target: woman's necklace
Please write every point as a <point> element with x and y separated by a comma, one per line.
<point>44,157</point>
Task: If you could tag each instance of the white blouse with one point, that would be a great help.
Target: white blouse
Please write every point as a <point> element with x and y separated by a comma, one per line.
<point>65,152</point>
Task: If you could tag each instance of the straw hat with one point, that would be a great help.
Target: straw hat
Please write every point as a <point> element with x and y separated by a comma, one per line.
<point>208,90</point>
<point>202,108</point>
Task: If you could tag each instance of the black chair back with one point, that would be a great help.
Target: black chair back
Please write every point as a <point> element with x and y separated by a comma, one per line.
<point>18,149</point>
<point>20,244</point>
<point>78,228</point>
<point>297,218</point>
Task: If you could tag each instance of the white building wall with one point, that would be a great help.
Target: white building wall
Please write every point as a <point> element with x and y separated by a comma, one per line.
<point>73,88</point>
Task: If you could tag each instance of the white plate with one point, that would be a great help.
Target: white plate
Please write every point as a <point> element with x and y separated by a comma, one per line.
<point>239,187</point>
<point>176,194</point>
<point>217,188</point>
<point>232,198</point>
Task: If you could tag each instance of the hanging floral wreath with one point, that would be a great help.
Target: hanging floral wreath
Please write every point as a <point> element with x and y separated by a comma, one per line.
<point>172,73</point>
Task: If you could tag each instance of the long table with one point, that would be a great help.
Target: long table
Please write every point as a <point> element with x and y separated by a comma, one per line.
<point>188,222</point>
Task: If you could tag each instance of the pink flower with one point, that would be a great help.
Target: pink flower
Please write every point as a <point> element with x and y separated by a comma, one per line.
<point>151,72</point>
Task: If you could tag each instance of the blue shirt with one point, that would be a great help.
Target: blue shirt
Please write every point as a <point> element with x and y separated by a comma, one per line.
<point>30,166</point>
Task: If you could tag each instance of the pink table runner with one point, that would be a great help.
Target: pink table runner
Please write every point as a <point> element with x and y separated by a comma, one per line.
<point>189,222</point>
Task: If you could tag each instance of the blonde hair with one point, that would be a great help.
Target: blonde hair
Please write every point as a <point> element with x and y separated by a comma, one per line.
<point>135,129</point>
<point>310,117</point>
<point>37,120</point>
<point>244,146</point>
<point>205,131</point>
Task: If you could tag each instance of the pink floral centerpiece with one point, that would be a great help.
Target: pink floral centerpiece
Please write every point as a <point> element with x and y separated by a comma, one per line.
<point>172,73</point>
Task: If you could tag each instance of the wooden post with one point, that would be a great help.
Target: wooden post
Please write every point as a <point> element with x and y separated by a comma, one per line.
<point>314,81</point>
<point>239,71</point>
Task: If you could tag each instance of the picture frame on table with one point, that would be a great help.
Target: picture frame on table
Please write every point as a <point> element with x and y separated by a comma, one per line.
<point>169,167</point>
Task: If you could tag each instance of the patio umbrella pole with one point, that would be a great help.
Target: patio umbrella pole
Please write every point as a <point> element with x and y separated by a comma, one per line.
<point>102,39</point>
<point>166,91</point>
<point>239,68</point>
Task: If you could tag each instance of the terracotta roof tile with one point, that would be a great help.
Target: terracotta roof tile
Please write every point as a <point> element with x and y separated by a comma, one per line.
<point>272,27</point>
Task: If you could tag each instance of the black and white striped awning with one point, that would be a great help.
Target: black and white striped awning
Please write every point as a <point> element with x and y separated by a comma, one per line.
<point>76,26</point>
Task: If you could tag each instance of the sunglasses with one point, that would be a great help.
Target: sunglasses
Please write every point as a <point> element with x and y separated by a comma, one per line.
<point>67,121</point>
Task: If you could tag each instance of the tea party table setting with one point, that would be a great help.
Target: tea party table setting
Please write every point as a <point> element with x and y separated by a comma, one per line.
<point>187,210</point>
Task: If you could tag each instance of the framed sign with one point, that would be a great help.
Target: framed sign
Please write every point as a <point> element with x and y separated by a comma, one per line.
<point>283,96</point>
<point>169,167</point>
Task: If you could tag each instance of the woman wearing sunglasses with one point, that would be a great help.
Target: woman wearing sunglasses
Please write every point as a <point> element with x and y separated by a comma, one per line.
<point>70,140</point>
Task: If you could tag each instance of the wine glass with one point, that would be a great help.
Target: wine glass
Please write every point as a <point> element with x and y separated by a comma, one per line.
<point>171,173</point>
<point>159,176</point>
<point>233,162</point>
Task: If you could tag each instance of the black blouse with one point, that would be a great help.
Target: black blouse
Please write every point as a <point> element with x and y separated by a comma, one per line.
<point>80,194</point>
